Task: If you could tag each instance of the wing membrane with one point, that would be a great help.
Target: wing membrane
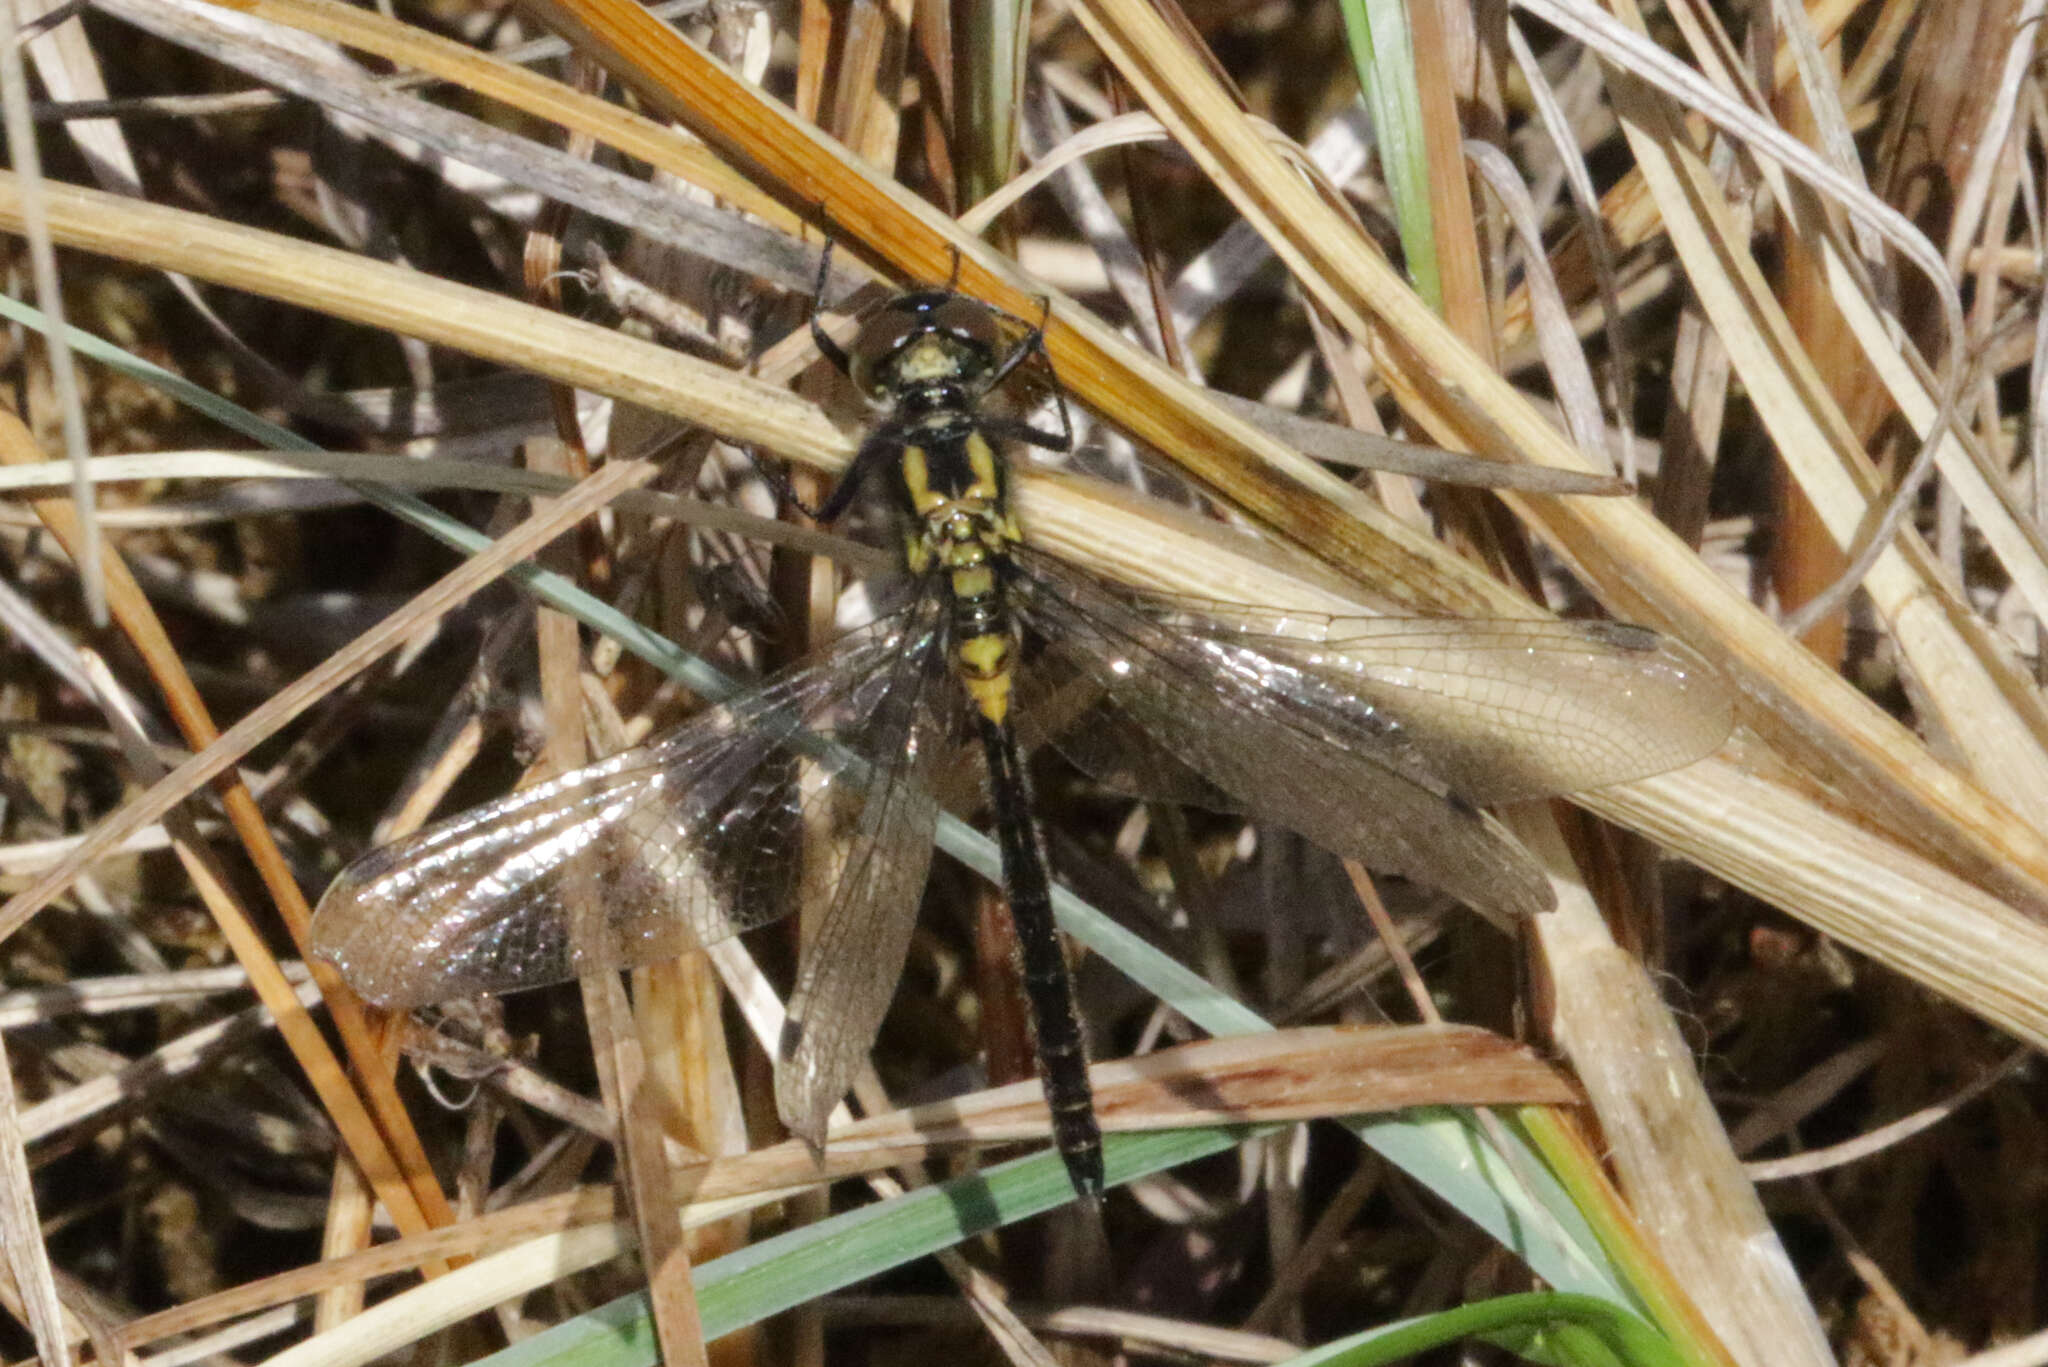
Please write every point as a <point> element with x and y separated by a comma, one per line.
<point>853,956</point>
<point>1509,710</point>
<point>1277,738</point>
<point>670,846</point>
<point>1503,710</point>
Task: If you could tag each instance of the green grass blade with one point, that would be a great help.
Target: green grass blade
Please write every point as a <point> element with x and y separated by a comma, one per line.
<point>1545,1326</point>
<point>1382,52</point>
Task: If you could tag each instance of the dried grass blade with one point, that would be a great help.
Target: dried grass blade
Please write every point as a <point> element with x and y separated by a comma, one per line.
<point>486,1234</point>
<point>410,1316</point>
<point>419,305</point>
<point>351,1216</point>
<point>636,135</point>
<point>101,1099</point>
<point>1685,1185</point>
<point>630,1092</point>
<point>28,1261</point>
<point>1277,1076</point>
<point>496,155</point>
<point>24,155</point>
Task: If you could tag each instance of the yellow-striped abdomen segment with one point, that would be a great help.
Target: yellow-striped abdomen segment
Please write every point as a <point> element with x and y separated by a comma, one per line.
<point>985,673</point>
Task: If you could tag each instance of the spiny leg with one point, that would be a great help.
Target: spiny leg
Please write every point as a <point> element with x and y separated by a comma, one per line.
<point>827,348</point>
<point>879,449</point>
<point>881,445</point>
<point>1034,340</point>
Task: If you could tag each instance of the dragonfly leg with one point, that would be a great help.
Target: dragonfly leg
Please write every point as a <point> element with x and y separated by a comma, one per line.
<point>827,348</point>
<point>878,450</point>
<point>1033,341</point>
<point>1010,429</point>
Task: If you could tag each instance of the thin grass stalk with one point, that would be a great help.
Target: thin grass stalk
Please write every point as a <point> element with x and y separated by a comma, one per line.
<point>28,1260</point>
<point>26,159</point>
<point>989,81</point>
<point>629,1093</point>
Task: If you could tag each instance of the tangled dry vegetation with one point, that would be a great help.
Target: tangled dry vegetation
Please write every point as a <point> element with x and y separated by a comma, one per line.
<point>421,270</point>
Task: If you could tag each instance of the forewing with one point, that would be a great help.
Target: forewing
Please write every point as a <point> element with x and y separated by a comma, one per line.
<point>660,850</point>
<point>1508,710</point>
<point>853,954</point>
<point>1280,740</point>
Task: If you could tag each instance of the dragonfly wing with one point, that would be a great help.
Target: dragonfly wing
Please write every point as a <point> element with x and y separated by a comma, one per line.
<point>1060,702</point>
<point>1508,710</point>
<point>1279,739</point>
<point>853,955</point>
<point>660,849</point>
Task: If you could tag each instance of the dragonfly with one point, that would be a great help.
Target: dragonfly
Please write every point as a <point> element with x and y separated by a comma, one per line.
<point>1379,738</point>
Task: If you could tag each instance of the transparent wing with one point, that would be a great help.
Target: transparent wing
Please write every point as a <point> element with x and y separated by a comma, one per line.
<point>1507,710</point>
<point>853,955</point>
<point>1189,715</point>
<point>664,848</point>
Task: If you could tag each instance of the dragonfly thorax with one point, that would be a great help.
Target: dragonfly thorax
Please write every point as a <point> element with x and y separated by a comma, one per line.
<point>945,402</point>
<point>957,535</point>
<point>954,491</point>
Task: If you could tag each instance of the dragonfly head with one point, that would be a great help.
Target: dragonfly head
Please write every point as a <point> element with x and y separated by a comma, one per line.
<point>926,350</point>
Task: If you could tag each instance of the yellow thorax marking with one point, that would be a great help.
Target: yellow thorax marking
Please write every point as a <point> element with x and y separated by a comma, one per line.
<point>977,500</point>
<point>988,478</point>
<point>917,480</point>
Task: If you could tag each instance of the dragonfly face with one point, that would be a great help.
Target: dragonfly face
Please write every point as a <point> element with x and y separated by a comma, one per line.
<point>1377,738</point>
<point>926,350</point>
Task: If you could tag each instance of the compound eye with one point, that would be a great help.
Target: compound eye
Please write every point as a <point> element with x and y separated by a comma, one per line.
<point>970,320</point>
<point>879,341</point>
